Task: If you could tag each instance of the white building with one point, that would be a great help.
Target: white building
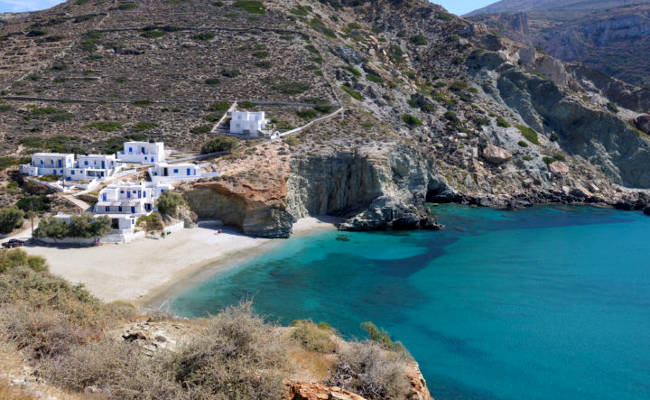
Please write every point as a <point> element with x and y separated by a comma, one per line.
<point>125,202</point>
<point>163,172</point>
<point>48,164</point>
<point>142,152</point>
<point>247,123</point>
<point>92,166</point>
<point>129,198</point>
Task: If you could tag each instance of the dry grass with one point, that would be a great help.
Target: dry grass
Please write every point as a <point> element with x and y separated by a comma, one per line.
<point>313,337</point>
<point>12,393</point>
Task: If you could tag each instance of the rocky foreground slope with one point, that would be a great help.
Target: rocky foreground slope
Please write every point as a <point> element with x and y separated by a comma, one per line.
<point>436,107</point>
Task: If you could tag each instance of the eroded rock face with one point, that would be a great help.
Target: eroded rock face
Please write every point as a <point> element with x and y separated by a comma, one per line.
<point>378,188</point>
<point>496,154</point>
<point>386,188</point>
<point>239,207</point>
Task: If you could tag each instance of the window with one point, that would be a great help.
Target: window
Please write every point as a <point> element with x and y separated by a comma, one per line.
<point>132,210</point>
<point>119,208</point>
<point>86,162</point>
<point>108,208</point>
<point>175,170</point>
<point>122,191</point>
<point>72,172</point>
<point>145,157</point>
<point>130,149</point>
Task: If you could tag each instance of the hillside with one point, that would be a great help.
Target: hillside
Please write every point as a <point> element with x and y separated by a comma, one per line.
<point>612,36</point>
<point>436,107</point>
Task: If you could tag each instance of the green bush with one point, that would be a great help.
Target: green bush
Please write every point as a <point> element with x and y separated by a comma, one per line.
<point>220,143</point>
<point>203,36</point>
<point>153,34</point>
<point>230,73</point>
<point>219,107</point>
<point>411,120</point>
<point>452,117</point>
<point>307,114</point>
<point>144,126</point>
<point>353,93</point>
<point>168,203</point>
<point>555,137</point>
<point>458,86</point>
<point>374,77</point>
<point>10,219</point>
<point>521,143</point>
<point>6,162</point>
<point>323,108</point>
<point>612,107</point>
<point>547,160</point>
<point>142,103</point>
<point>80,226</point>
<point>201,129</point>
<point>152,222</point>
<point>212,81</point>
<point>127,6</point>
<point>502,122</point>
<point>104,126</point>
<point>528,133</point>
<point>418,40</point>
<point>314,337</point>
<point>253,7</point>
<point>319,26</point>
<point>39,203</point>
<point>263,64</point>
<point>352,70</point>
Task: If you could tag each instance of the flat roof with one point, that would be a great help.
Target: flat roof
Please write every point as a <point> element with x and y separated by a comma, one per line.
<point>53,154</point>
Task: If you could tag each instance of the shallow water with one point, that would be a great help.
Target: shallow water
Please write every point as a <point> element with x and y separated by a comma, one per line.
<point>543,303</point>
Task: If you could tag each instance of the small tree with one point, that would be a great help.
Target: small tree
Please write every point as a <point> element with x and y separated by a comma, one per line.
<point>168,203</point>
<point>153,223</point>
<point>10,218</point>
<point>220,143</point>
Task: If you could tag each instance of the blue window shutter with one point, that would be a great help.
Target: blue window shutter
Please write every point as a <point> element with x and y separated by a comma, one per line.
<point>108,209</point>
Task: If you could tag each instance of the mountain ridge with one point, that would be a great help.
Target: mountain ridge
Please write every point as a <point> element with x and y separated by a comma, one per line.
<point>427,98</point>
<point>612,36</point>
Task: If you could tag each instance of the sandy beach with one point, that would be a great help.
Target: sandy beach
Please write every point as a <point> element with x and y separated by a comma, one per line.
<point>147,271</point>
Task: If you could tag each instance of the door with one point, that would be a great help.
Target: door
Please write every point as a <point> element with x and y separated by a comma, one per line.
<point>189,172</point>
<point>103,164</point>
<point>165,172</point>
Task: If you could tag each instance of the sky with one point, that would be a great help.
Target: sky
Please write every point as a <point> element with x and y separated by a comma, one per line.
<point>458,7</point>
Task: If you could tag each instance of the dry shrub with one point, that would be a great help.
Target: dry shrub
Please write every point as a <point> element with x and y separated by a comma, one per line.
<point>41,334</point>
<point>313,337</point>
<point>372,371</point>
<point>239,357</point>
<point>118,370</point>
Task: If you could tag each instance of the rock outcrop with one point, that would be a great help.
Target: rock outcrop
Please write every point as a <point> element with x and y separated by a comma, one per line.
<point>558,168</point>
<point>318,391</point>
<point>496,154</point>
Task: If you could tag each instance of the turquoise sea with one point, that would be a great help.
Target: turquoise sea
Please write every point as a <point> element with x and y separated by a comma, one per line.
<point>544,303</point>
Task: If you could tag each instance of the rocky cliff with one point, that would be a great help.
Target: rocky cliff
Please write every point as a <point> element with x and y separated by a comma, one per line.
<point>612,36</point>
